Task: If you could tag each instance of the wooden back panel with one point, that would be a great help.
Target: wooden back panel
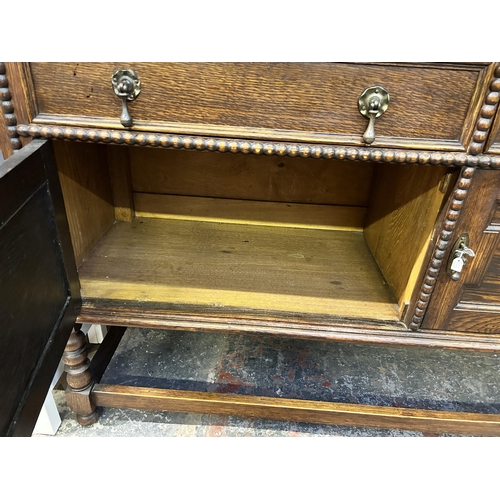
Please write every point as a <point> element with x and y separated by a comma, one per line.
<point>250,177</point>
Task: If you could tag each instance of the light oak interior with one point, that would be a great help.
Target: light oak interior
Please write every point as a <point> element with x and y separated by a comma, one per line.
<point>245,267</point>
<point>175,229</point>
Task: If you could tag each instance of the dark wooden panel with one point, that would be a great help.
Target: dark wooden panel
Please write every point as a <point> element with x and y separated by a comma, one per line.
<point>488,292</point>
<point>39,292</point>
<point>476,318</point>
<point>31,281</point>
<point>311,102</point>
<point>491,114</point>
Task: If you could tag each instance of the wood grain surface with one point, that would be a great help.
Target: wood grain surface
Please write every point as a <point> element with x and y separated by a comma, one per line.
<point>121,182</point>
<point>249,177</point>
<point>262,213</point>
<point>319,412</point>
<point>404,207</point>
<point>478,281</point>
<point>84,178</point>
<point>306,102</point>
<point>39,292</point>
<point>185,263</point>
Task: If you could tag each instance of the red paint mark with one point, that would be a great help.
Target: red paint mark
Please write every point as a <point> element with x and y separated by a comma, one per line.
<point>225,376</point>
<point>216,431</point>
<point>326,383</point>
<point>301,358</point>
<point>229,381</point>
<point>291,374</point>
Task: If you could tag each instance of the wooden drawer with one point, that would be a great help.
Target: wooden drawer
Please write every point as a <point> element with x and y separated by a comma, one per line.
<point>432,105</point>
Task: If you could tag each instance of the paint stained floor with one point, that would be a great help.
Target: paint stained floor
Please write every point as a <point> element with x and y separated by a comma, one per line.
<point>267,366</point>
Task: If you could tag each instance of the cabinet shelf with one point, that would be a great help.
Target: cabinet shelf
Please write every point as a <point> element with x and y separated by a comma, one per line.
<point>183,264</point>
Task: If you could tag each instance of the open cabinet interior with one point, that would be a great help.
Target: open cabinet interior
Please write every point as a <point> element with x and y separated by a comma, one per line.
<point>250,235</point>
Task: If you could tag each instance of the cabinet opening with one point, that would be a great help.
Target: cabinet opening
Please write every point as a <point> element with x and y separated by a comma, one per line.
<point>158,231</point>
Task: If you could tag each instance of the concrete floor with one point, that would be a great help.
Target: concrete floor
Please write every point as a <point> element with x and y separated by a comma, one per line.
<point>324,371</point>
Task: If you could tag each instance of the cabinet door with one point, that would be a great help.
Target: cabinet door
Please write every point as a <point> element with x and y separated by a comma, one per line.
<point>39,288</point>
<point>472,304</point>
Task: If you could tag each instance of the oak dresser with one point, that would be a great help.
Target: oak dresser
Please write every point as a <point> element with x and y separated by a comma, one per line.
<point>346,202</point>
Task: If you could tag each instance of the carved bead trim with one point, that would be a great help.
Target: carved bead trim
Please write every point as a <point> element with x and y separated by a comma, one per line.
<point>8,110</point>
<point>257,147</point>
<point>486,115</point>
<point>447,230</point>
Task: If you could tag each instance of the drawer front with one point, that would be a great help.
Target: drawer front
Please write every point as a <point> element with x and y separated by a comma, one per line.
<point>431,105</point>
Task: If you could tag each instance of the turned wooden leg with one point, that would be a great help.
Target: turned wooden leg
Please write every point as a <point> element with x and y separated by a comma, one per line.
<point>79,391</point>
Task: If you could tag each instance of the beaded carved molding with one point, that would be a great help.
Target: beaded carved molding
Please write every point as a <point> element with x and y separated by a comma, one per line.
<point>487,114</point>
<point>258,147</point>
<point>8,110</point>
<point>447,230</point>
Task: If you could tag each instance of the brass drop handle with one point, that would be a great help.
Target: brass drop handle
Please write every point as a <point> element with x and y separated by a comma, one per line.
<point>372,103</point>
<point>127,86</point>
<point>458,257</point>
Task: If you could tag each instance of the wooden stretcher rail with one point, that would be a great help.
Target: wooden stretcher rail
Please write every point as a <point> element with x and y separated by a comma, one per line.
<point>297,410</point>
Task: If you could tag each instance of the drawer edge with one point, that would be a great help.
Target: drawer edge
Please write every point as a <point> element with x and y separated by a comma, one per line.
<point>246,133</point>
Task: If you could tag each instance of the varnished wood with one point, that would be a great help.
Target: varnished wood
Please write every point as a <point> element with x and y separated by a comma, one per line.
<point>291,134</point>
<point>486,291</point>
<point>485,126</point>
<point>310,102</point>
<point>79,378</point>
<point>76,361</point>
<point>260,213</point>
<point>475,218</point>
<point>159,261</point>
<point>286,325</point>
<point>473,317</point>
<point>5,144</point>
<point>261,148</point>
<point>250,177</point>
<point>39,292</point>
<point>84,178</point>
<point>493,141</point>
<point>478,122</point>
<point>105,352</point>
<point>297,410</point>
<point>121,183</point>
<point>22,93</point>
<point>404,207</point>
<point>446,230</point>
<point>9,138</point>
